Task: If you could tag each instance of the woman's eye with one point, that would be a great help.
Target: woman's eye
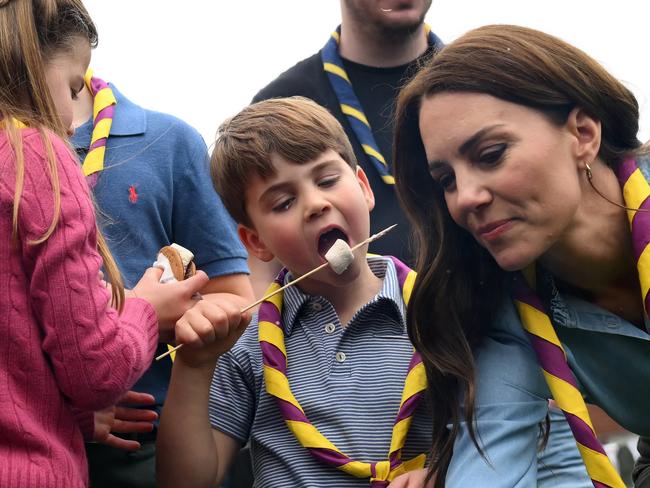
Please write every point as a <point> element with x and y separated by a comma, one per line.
<point>445,180</point>
<point>73,94</point>
<point>493,154</point>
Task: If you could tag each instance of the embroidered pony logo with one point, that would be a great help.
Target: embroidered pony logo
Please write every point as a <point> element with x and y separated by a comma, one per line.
<point>133,194</point>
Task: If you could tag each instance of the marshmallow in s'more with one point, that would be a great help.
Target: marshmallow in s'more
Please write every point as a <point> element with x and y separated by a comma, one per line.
<point>339,256</point>
<point>176,262</point>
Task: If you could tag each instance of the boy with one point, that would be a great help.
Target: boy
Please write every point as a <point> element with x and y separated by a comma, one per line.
<point>286,172</point>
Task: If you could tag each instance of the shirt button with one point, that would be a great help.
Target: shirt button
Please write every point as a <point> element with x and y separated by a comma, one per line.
<point>329,328</point>
<point>340,356</point>
<point>316,307</point>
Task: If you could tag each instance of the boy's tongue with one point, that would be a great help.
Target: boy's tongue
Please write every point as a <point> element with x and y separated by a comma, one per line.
<point>328,239</point>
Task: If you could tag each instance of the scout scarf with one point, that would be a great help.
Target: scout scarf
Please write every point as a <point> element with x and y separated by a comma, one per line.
<point>548,348</point>
<point>103,111</point>
<point>350,105</point>
<point>271,338</point>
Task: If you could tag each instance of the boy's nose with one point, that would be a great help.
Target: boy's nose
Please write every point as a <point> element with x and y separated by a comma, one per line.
<point>316,206</point>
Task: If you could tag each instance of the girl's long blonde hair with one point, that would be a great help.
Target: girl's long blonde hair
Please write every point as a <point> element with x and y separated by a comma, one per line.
<point>31,32</point>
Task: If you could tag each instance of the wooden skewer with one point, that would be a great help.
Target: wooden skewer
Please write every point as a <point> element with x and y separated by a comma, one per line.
<point>291,283</point>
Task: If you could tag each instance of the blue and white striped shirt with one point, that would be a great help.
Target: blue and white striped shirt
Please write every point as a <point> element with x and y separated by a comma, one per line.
<point>349,381</point>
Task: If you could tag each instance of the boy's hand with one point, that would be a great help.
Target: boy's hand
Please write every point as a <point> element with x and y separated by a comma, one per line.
<point>209,329</point>
<point>124,420</point>
<point>413,479</point>
<point>170,300</point>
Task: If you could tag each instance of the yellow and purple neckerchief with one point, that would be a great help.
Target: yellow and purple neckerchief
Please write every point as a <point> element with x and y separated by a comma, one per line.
<point>271,338</point>
<point>547,346</point>
<point>350,105</point>
<point>103,111</point>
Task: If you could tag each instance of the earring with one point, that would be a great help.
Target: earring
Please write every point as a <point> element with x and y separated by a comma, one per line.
<point>590,177</point>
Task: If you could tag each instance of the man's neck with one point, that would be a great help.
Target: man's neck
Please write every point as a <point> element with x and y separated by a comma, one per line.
<point>369,47</point>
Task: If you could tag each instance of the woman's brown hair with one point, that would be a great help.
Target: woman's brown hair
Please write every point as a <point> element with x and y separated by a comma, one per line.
<point>459,285</point>
<point>31,33</point>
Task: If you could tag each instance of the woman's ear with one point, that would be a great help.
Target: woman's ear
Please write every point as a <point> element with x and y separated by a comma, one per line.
<point>254,245</point>
<point>586,131</point>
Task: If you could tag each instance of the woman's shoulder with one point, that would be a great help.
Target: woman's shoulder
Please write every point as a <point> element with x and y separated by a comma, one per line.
<point>506,366</point>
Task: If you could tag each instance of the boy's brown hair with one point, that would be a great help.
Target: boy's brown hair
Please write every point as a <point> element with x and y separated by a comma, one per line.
<point>295,128</point>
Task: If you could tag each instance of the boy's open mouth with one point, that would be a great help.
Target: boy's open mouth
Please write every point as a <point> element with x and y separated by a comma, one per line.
<point>327,239</point>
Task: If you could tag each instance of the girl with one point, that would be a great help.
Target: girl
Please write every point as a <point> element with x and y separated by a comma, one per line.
<point>64,351</point>
<point>510,147</point>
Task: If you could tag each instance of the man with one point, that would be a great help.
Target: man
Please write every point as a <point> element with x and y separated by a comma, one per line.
<point>379,46</point>
<point>149,175</point>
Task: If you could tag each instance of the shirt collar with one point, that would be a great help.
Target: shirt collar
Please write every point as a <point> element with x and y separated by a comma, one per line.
<point>129,119</point>
<point>573,312</point>
<point>382,267</point>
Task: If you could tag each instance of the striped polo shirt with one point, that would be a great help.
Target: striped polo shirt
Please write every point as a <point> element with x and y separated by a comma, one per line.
<point>349,381</point>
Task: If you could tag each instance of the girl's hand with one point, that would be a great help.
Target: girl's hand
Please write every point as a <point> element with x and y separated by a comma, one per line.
<point>124,420</point>
<point>209,329</point>
<point>413,479</point>
<point>170,300</point>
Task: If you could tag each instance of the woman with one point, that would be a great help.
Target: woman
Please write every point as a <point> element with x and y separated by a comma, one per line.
<point>509,148</point>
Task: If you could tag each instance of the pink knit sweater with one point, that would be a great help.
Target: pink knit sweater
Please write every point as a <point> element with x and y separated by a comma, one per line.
<point>61,346</point>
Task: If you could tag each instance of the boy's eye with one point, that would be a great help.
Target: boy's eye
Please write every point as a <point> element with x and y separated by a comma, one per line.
<point>328,181</point>
<point>492,154</point>
<point>284,205</point>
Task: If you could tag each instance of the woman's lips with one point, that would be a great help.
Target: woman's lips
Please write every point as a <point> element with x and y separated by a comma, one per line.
<point>494,230</point>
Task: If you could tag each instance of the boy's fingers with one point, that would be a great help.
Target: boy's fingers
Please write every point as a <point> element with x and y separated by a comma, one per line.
<point>185,331</point>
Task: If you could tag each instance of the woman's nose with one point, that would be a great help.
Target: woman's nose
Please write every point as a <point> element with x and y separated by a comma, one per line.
<point>471,193</point>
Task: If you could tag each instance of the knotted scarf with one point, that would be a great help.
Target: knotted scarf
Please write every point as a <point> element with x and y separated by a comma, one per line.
<point>271,338</point>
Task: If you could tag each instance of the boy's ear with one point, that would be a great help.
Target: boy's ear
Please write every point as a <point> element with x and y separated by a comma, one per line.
<point>253,243</point>
<point>362,178</point>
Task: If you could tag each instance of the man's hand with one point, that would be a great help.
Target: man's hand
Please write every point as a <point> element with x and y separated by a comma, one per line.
<point>122,419</point>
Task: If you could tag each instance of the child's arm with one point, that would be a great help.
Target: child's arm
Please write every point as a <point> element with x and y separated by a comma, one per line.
<point>189,452</point>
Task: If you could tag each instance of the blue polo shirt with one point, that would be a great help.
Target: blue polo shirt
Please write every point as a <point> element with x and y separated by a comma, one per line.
<point>155,189</point>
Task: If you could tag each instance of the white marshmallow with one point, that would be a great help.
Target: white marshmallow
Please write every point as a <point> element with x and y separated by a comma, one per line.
<point>186,254</point>
<point>339,256</point>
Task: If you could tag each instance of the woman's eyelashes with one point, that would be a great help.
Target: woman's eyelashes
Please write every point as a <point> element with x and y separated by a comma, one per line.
<point>489,156</point>
<point>445,180</point>
<point>492,154</point>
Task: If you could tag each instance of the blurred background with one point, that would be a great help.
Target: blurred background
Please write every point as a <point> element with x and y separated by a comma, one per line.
<point>204,60</point>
